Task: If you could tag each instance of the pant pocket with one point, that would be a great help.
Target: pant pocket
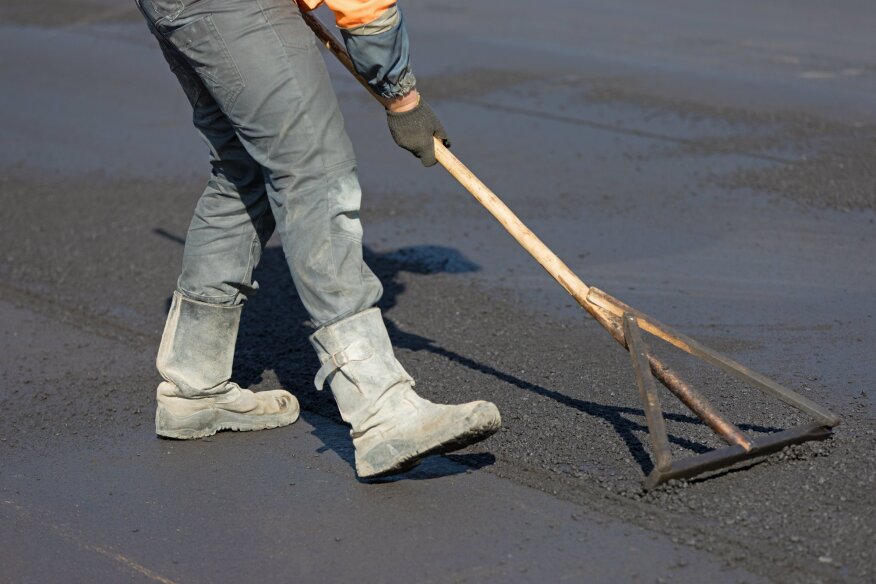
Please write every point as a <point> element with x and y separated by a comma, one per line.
<point>285,18</point>
<point>203,47</point>
<point>188,79</point>
<point>158,10</point>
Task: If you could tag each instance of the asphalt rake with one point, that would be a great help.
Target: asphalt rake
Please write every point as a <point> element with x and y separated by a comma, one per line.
<point>626,326</point>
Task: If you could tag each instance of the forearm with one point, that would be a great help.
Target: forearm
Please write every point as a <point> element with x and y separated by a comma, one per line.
<point>380,51</point>
<point>377,42</point>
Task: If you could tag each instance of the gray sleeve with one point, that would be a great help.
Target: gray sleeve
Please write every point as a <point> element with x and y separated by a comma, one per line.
<point>380,51</point>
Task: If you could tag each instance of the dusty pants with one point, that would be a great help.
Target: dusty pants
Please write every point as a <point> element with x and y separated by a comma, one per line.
<point>280,156</point>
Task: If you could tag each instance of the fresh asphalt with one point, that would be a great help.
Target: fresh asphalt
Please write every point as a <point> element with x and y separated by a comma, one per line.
<point>706,162</point>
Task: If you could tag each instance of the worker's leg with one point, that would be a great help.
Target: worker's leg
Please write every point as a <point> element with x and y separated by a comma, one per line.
<point>231,224</point>
<point>232,221</point>
<point>261,64</point>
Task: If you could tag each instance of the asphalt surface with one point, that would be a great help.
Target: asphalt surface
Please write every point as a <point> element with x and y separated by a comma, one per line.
<point>710,164</point>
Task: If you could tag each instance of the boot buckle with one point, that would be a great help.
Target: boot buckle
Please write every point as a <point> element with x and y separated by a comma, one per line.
<point>357,351</point>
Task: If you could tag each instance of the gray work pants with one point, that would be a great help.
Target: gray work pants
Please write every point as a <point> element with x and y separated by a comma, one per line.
<point>280,156</point>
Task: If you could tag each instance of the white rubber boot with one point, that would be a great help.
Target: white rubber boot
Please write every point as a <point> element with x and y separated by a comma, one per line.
<point>392,427</point>
<point>197,399</point>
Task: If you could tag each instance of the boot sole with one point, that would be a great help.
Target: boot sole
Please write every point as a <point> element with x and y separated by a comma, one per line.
<point>441,444</point>
<point>208,422</point>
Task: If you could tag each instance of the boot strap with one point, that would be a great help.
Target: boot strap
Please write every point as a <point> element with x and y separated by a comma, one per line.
<point>358,351</point>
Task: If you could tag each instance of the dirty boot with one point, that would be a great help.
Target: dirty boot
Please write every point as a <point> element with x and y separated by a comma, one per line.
<point>197,399</point>
<point>392,427</point>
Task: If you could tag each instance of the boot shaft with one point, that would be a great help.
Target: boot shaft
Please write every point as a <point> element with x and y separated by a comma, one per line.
<point>359,364</point>
<point>197,347</point>
<point>392,427</point>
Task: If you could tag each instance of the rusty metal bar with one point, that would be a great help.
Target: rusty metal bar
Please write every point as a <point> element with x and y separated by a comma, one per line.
<point>648,392</point>
<point>699,405</point>
<point>697,349</point>
<point>724,457</point>
<point>682,390</point>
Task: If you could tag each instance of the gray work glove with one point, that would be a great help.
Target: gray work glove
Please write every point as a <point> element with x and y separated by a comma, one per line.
<point>413,130</point>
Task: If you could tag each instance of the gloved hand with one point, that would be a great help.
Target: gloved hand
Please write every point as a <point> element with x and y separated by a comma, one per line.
<point>413,130</point>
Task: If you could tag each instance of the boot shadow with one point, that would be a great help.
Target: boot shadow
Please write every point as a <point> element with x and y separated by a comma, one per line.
<point>273,336</point>
<point>336,438</point>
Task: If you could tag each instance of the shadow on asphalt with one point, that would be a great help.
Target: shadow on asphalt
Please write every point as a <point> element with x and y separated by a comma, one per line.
<point>273,336</point>
<point>336,437</point>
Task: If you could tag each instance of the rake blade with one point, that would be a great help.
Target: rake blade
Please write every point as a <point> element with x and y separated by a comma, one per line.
<point>731,455</point>
<point>742,447</point>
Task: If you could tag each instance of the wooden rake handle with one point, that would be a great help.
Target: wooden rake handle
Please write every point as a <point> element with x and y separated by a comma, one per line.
<point>514,226</point>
